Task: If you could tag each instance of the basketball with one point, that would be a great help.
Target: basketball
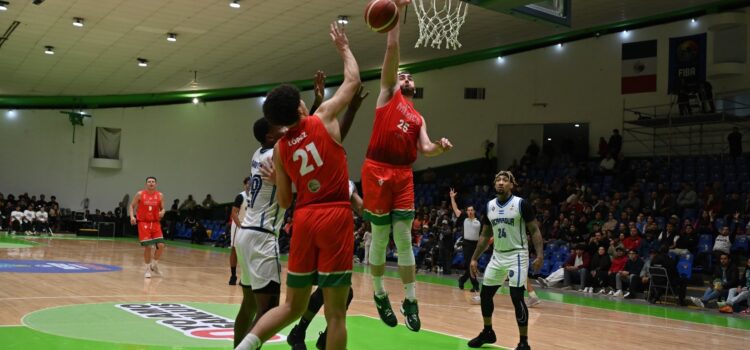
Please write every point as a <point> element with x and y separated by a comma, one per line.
<point>381,15</point>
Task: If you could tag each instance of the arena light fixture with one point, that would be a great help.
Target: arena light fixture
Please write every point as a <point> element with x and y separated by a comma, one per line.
<point>171,37</point>
<point>342,19</point>
<point>235,4</point>
<point>196,100</point>
<point>4,5</point>
<point>78,22</point>
<point>577,125</point>
<point>142,62</point>
<point>11,114</point>
<point>49,50</point>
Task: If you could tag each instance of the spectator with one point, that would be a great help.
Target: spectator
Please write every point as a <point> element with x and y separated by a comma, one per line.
<point>603,148</point>
<point>53,202</point>
<point>16,220</point>
<point>679,284</point>
<point>28,220</point>
<point>618,264</point>
<point>735,142</point>
<point>576,268</point>
<point>630,276</point>
<point>741,292</point>
<point>597,241</point>
<point>607,165</point>
<point>188,204</point>
<point>610,224</point>
<point>632,241</point>
<point>724,278</point>
<point>615,143</point>
<point>598,269</point>
<point>208,202</point>
<point>722,244</point>
<point>54,216</point>
<point>669,237</point>
<point>687,243</point>
<point>199,231</point>
<point>687,199</point>
<point>41,203</point>
<point>649,243</point>
<point>42,220</point>
<point>446,246</point>
<point>532,150</point>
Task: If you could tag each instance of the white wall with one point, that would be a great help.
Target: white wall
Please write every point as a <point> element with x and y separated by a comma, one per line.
<point>199,149</point>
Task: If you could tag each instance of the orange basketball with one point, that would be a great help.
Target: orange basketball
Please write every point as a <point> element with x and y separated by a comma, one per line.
<point>381,15</point>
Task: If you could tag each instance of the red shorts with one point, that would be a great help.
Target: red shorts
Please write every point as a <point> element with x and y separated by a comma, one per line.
<point>322,246</point>
<point>149,232</point>
<point>388,190</point>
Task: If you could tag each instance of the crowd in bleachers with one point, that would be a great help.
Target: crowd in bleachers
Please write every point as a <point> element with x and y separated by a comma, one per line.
<point>28,214</point>
<point>691,212</point>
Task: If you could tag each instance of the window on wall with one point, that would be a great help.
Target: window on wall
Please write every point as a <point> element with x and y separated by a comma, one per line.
<point>107,145</point>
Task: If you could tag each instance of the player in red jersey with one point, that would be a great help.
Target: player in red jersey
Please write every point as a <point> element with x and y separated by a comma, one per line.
<point>146,210</point>
<point>310,156</point>
<point>399,132</point>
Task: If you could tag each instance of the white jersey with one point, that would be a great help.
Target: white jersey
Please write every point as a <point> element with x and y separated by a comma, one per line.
<point>262,211</point>
<point>17,215</point>
<point>508,221</point>
<point>41,216</point>
<point>28,215</point>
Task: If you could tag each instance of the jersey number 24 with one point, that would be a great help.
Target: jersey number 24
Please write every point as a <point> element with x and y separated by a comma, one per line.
<point>302,154</point>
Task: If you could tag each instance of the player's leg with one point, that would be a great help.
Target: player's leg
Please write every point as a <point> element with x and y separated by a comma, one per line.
<point>266,298</point>
<point>335,312</point>
<point>517,273</point>
<point>297,334</point>
<point>321,343</point>
<point>233,255</point>
<point>403,217</point>
<point>248,309</point>
<point>157,237</point>
<point>494,277</point>
<point>144,236</point>
<point>377,210</point>
<point>277,318</point>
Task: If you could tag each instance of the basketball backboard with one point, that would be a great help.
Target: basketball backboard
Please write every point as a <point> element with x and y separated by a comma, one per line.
<point>557,12</point>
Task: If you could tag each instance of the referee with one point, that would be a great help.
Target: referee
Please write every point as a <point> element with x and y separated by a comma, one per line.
<point>472,226</point>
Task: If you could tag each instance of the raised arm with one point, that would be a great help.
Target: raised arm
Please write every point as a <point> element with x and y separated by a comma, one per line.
<point>456,211</point>
<point>329,110</point>
<point>389,72</point>
<point>283,182</point>
<point>351,111</point>
<point>319,87</point>
<point>430,148</point>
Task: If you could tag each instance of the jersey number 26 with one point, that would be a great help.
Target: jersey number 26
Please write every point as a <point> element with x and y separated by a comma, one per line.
<point>302,154</point>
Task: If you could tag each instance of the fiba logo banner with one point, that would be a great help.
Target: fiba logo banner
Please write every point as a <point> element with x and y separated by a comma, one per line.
<point>189,321</point>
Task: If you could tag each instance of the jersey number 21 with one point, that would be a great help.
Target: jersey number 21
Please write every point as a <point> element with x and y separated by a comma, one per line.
<point>302,154</point>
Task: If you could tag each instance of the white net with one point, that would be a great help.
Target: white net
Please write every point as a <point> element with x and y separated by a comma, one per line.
<point>438,25</point>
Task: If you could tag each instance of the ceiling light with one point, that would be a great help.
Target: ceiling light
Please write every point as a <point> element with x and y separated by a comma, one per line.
<point>11,114</point>
<point>196,100</point>
<point>549,139</point>
<point>343,19</point>
<point>171,37</point>
<point>50,50</point>
<point>4,5</point>
<point>559,45</point>
<point>235,4</point>
<point>78,22</point>
<point>142,62</point>
<point>577,125</point>
<point>693,20</point>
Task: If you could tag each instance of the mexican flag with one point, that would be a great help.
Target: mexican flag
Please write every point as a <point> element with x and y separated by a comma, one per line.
<point>638,67</point>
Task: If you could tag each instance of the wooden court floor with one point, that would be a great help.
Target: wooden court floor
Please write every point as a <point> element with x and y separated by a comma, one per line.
<point>200,275</point>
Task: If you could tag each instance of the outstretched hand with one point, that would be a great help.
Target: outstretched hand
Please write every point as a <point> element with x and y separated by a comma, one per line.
<point>319,85</point>
<point>268,172</point>
<point>452,193</point>
<point>338,36</point>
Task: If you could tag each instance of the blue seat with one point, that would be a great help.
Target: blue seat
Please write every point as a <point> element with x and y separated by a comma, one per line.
<point>719,223</point>
<point>484,260</point>
<point>705,243</point>
<point>741,244</point>
<point>685,268</point>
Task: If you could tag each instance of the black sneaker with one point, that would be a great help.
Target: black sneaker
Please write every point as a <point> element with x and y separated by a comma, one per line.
<point>385,311</point>
<point>484,337</point>
<point>523,346</point>
<point>410,310</point>
<point>321,343</point>
<point>299,346</point>
<point>233,281</point>
<point>296,336</point>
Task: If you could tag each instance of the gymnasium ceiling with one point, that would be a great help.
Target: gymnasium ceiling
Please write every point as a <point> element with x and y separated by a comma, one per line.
<point>264,41</point>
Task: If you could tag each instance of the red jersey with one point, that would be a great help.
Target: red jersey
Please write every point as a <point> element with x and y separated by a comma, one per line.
<point>149,206</point>
<point>395,133</point>
<point>315,163</point>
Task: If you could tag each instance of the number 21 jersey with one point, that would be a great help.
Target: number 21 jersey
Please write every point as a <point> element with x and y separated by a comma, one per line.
<point>315,163</point>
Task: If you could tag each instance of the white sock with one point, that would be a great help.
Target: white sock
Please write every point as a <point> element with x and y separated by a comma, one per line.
<point>147,265</point>
<point>411,291</point>
<point>251,342</point>
<point>377,285</point>
<point>532,294</point>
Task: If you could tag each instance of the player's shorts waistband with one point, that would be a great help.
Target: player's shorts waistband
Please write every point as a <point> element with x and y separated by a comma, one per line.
<point>511,250</point>
<point>386,165</point>
<point>340,204</point>
<point>258,229</point>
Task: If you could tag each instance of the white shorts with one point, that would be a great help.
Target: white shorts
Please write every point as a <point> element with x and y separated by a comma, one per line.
<point>513,265</point>
<point>258,257</point>
<point>233,234</point>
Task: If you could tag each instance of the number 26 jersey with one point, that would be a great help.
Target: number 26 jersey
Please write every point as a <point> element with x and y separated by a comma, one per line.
<point>315,163</point>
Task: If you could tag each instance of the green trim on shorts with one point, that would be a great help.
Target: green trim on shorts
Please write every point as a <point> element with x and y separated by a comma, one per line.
<point>152,241</point>
<point>335,279</point>
<point>384,219</point>
<point>301,280</point>
<point>403,214</point>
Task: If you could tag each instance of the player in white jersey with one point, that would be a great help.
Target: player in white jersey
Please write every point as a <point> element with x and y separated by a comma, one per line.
<point>256,240</point>
<point>16,221</point>
<point>238,214</point>
<point>28,220</point>
<point>42,221</point>
<point>508,217</point>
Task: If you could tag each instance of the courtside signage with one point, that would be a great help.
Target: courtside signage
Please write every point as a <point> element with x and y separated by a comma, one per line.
<point>53,266</point>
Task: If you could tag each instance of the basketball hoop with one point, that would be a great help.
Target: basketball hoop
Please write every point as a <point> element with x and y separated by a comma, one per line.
<point>438,25</point>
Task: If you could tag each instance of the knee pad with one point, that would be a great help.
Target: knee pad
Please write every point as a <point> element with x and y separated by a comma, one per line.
<point>402,238</point>
<point>316,301</point>
<point>379,243</point>
<point>487,302</point>
<point>522,312</point>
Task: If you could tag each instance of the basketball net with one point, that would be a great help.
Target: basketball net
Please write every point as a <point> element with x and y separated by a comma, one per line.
<point>438,25</point>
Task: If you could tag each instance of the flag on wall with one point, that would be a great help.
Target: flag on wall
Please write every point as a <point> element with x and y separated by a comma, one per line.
<point>638,67</point>
<point>687,62</point>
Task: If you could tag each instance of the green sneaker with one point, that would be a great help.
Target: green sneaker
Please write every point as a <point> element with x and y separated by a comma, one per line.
<point>385,311</point>
<point>410,310</point>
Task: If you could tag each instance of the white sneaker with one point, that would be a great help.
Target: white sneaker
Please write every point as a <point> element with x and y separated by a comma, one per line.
<point>582,290</point>
<point>542,282</point>
<point>697,302</point>
<point>147,274</point>
<point>155,269</point>
<point>618,294</point>
<point>627,294</point>
<point>611,292</point>
<point>533,302</point>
